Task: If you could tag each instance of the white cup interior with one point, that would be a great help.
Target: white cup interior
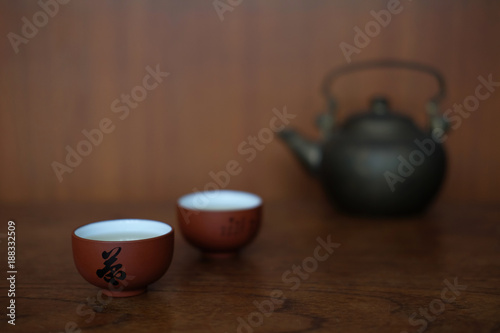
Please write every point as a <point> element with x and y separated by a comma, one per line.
<point>221,200</point>
<point>123,230</point>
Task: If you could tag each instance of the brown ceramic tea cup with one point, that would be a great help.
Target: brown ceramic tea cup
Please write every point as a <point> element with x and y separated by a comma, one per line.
<point>221,222</point>
<point>122,257</point>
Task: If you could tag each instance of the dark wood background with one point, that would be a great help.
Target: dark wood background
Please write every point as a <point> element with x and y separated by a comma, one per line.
<point>225,79</point>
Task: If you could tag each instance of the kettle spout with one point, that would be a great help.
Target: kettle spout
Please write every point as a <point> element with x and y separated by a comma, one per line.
<point>308,152</point>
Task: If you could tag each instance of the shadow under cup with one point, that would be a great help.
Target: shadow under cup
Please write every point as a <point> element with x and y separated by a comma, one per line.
<point>122,257</point>
<point>221,222</point>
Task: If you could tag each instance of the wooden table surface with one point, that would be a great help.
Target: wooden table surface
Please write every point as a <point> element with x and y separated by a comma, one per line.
<point>436,273</point>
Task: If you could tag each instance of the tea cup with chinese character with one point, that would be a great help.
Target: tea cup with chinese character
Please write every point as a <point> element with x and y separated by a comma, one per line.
<point>123,257</point>
<point>219,222</point>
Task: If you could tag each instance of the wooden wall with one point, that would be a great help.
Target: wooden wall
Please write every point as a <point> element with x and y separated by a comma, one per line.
<point>225,79</point>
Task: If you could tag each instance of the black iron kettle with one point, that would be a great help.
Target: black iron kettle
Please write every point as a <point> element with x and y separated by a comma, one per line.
<point>377,163</point>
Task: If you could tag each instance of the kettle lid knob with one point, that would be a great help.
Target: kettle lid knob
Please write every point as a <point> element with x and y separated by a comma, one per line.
<point>380,105</point>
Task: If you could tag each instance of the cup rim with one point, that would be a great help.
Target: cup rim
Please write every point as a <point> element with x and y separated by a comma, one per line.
<point>121,221</point>
<point>220,197</point>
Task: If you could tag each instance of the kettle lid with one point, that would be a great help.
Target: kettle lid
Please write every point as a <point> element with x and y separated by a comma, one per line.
<point>380,122</point>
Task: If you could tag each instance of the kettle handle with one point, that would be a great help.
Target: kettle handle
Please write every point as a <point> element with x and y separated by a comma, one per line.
<point>437,120</point>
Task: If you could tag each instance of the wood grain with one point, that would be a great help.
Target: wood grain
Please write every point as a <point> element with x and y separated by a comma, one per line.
<point>381,273</point>
<point>225,79</point>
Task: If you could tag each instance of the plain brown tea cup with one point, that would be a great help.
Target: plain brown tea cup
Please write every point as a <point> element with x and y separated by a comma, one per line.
<point>220,222</point>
